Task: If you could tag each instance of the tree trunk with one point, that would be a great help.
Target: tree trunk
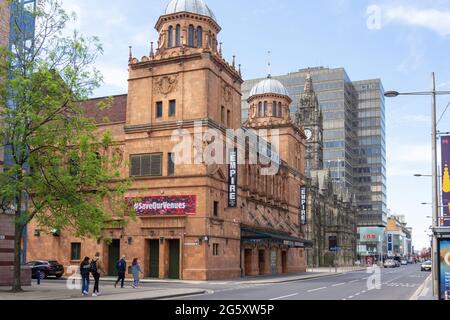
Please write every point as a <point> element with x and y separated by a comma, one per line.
<point>17,285</point>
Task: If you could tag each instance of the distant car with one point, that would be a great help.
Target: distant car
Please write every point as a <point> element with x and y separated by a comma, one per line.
<point>47,268</point>
<point>426,266</point>
<point>389,263</point>
<point>404,262</point>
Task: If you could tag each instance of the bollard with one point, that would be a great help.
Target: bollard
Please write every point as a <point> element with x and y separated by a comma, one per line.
<point>38,275</point>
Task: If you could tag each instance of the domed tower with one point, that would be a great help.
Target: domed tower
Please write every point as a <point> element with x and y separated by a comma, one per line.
<point>184,78</point>
<point>269,103</point>
<point>189,25</point>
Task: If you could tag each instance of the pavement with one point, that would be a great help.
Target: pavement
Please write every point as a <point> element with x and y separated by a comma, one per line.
<point>404,283</point>
<point>58,290</point>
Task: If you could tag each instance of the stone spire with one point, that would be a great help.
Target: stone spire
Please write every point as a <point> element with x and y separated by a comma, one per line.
<point>309,87</point>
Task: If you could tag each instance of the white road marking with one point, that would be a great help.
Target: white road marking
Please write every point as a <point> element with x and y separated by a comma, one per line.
<point>313,290</point>
<point>283,297</point>
<point>338,284</point>
<point>353,281</point>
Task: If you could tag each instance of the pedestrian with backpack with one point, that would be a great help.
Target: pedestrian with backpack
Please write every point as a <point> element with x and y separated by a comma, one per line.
<point>85,269</point>
<point>96,269</point>
<point>121,269</point>
<point>136,270</point>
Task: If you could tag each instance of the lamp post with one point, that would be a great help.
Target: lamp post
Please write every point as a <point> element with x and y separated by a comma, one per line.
<point>433,93</point>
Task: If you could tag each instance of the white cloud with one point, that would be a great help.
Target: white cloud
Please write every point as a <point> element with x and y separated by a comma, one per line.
<point>405,160</point>
<point>114,76</point>
<point>432,19</point>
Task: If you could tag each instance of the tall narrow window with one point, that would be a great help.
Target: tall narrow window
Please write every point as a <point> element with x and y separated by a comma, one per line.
<point>170,38</point>
<point>172,108</point>
<point>216,209</point>
<point>260,109</point>
<point>159,109</point>
<point>178,36</point>
<point>265,108</point>
<point>171,164</point>
<point>199,37</point>
<point>191,36</point>
<point>222,115</point>
<point>274,109</point>
<point>228,118</point>
<point>215,249</point>
<point>280,110</point>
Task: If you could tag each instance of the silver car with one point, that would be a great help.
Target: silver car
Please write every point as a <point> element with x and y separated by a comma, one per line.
<point>389,263</point>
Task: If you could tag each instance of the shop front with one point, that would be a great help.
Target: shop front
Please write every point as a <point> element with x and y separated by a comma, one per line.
<point>268,253</point>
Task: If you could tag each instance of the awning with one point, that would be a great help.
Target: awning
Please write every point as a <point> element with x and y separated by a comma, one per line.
<point>258,236</point>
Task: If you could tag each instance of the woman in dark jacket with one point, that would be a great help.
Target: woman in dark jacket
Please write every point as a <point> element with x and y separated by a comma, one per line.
<point>85,269</point>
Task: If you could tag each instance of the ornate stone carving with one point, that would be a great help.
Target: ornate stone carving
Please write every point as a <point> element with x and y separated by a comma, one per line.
<point>227,94</point>
<point>166,84</point>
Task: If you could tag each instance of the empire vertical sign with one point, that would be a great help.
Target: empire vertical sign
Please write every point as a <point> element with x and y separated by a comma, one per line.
<point>303,201</point>
<point>232,179</point>
<point>445,143</point>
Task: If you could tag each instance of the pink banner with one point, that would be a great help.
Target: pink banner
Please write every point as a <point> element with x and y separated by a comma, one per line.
<point>164,205</point>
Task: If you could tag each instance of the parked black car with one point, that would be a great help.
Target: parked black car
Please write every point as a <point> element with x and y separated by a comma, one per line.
<point>47,268</point>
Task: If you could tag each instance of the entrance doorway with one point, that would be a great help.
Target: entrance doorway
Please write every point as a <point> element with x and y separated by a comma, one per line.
<point>284,262</point>
<point>248,261</point>
<point>174,259</point>
<point>113,257</point>
<point>261,262</point>
<point>154,259</point>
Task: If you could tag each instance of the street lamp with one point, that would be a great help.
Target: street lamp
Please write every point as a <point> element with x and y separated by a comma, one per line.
<point>433,93</point>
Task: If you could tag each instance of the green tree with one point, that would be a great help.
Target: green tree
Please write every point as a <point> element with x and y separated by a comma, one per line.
<point>64,173</point>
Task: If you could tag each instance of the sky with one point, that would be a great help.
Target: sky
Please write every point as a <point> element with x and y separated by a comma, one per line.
<point>399,41</point>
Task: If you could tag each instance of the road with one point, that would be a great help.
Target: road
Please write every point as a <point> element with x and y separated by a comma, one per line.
<point>396,284</point>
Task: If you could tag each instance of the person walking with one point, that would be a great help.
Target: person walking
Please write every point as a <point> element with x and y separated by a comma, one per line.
<point>136,270</point>
<point>85,269</point>
<point>96,270</point>
<point>121,269</point>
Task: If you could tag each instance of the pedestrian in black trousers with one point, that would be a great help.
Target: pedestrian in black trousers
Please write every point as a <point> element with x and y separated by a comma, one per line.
<point>121,269</point>
<point>96,269</point>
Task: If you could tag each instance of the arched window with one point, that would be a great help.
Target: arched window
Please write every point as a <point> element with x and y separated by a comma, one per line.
<point>265,108</point>
<point>199,37</point>
<point>260,109</point>
<point>178,36</point>
<point>170,38</point>
<point>274,109</point>
<point>191,36</point>
<point>280,110</point>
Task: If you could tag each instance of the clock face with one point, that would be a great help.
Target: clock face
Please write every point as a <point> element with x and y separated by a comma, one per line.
<point>309,134</point>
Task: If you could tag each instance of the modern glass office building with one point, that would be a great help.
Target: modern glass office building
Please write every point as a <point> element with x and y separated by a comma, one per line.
<point>354,133</point>
<point>370,156</point>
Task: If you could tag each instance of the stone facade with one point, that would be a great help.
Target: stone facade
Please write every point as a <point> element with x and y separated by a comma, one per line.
<point>331,212</point>
<point>182,85</point>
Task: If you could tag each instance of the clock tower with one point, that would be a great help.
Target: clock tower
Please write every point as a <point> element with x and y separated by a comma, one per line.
<point>310,117</point>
